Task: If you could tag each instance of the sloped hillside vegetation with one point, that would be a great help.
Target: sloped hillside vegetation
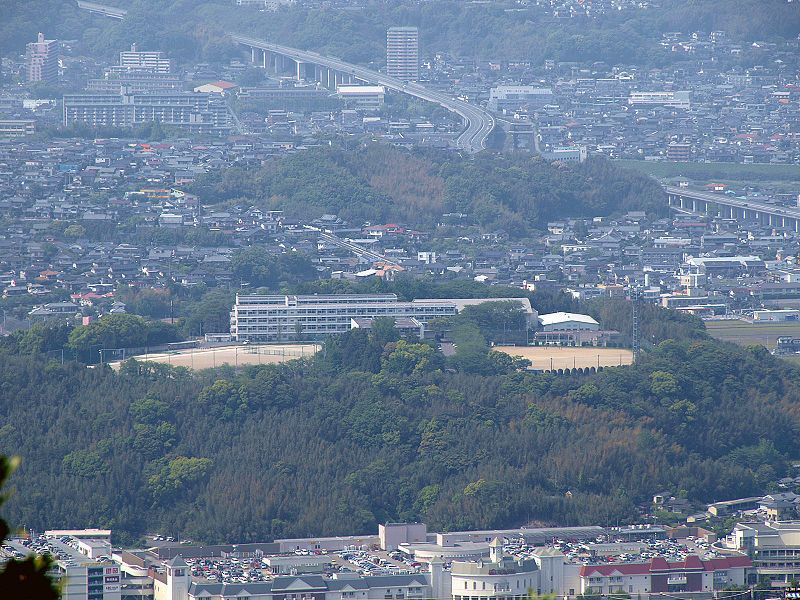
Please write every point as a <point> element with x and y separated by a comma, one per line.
<point>377,429</point>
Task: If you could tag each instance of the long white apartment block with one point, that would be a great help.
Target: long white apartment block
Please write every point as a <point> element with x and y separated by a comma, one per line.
<point>266,318</point>
<point>137,60</point>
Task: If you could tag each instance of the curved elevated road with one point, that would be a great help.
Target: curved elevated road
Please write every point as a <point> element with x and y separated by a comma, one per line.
<point>478,122</point>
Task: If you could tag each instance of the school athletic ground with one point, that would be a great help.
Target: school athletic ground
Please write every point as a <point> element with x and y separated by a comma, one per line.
<point>546,358</point>
<point>209,358</point>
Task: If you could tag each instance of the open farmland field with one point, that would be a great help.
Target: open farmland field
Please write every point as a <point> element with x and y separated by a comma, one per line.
<point>556,357</point>
<point>715,171</point>
<point>209,358</point>
<point>745,333</point>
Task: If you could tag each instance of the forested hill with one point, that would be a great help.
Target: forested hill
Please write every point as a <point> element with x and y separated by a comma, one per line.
<point>377,429</point>
<point>378,183</point>
<point>498,30</point>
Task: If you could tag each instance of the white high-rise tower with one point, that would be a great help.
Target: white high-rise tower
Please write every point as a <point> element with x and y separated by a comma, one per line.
<point>402,53</point>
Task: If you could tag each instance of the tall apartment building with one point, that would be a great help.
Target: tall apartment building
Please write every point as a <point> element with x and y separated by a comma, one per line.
<point>198,113</point>
<point>135,60</point>
<point>402,53</point>
<point>679,151</point>
<point>260,318</point>
<point>41,60</point>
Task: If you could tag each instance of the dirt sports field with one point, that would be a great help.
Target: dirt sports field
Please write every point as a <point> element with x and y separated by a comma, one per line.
<point>540,356</point>
<point>555,357</point>
<point>209,358</point>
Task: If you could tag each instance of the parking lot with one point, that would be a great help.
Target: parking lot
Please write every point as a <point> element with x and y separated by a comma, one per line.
<point>363,562</point>
<point>671,550</point>
<point>377,562</point>
<point>64,549</point>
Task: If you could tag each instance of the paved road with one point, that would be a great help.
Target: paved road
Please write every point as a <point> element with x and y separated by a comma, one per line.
<point>359,251</point>
<point>478,122</point>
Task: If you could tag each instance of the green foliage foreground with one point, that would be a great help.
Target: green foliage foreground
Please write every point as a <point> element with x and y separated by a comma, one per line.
<point>376,428</point>
<point>25,579</point>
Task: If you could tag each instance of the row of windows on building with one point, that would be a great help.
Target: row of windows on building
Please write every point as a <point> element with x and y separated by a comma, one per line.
<point>251,312</point>
<point>519,597</point>
<point>779,565</point>
<point>293,320</point>
<point>497,586</point>
<point>276,329</point>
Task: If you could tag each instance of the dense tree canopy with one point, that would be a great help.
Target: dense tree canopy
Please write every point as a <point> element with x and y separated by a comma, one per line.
<point>258,268</point>
<point>192,29</point>
<point>378,183</point>
<point>377,428</point>
<point>121,331</point>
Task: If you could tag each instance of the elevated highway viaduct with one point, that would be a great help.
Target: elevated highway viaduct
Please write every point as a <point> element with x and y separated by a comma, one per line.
<point>730,207</point>
<point>331,72</point>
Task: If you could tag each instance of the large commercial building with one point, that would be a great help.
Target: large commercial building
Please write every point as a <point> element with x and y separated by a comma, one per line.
<point>412,564</point>
<point>676,99</point>
<point>662,577</point>
<point>774,546</point>
<point>41,60</point>
<point>402,53</point>
<point>259,318</point>
<point>198,113</point>
<point>517,97</point>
